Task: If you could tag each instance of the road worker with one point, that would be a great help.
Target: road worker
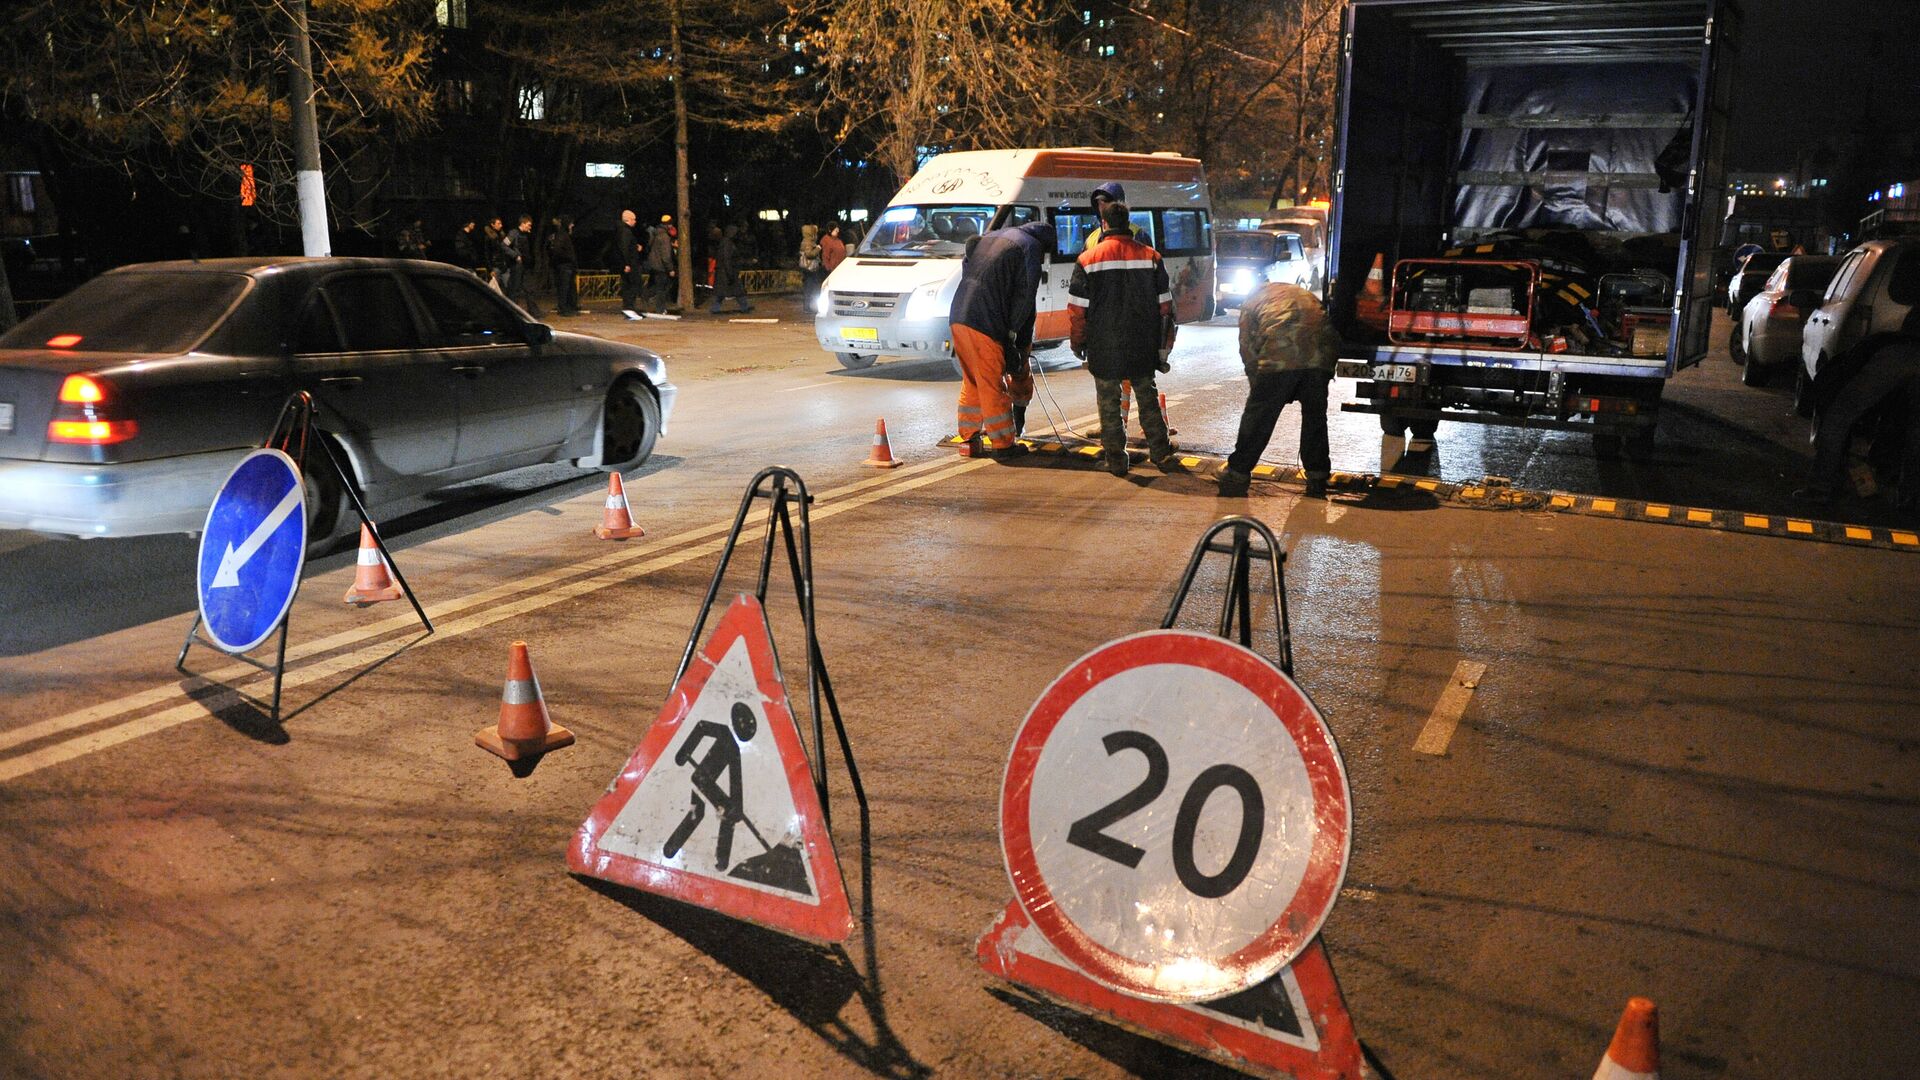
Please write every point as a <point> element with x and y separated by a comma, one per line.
<point>1120,310</point>
<point>992,326</point>
<point>1288,349</point>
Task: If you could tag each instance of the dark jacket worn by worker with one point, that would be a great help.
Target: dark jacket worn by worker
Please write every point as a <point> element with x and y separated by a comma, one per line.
<point>998,283</point>
<point>626,249</point>
<point>1284,328</point>
<point>1120,307</point>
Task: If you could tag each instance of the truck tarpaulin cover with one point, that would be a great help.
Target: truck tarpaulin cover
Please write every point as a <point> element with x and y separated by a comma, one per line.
<point>1600,177</point>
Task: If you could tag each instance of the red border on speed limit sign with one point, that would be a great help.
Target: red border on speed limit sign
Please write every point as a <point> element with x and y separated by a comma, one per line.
<point>1175,816</point>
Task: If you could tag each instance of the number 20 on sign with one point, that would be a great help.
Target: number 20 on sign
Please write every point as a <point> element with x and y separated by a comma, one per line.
<point>1175,816</point>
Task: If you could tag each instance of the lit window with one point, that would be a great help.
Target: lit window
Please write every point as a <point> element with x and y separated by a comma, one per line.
<point>20,192</point>
<point>856,215</point>
<point>1106,50</point>
<point>606,170</point>
<point>451,13</point>
<point>533,103</point>
<point>773,215</point>
<point>799,69</point>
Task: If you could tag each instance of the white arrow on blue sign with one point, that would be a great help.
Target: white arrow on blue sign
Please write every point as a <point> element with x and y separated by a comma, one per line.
<point>252,551</point>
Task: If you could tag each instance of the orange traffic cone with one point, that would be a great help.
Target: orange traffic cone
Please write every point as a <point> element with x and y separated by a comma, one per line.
<point>1370,306</point>
<point>1163,416</point>
<point>525,730</point>
<point>371,582</point>
<point>617,522</point>
<point>882,456</point>
<point>1634,1053</point>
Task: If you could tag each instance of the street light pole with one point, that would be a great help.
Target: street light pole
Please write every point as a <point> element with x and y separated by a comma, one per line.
<point>306,142</point>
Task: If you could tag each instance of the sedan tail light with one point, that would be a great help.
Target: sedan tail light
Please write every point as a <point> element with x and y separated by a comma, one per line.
<point>1785,312</point>
<point>83,415</point>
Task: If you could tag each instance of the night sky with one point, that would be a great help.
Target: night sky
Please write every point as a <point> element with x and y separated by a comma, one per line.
<point>1807,68</point>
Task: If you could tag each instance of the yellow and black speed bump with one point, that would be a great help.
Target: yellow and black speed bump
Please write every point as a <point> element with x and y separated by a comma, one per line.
<point>1494,494</point>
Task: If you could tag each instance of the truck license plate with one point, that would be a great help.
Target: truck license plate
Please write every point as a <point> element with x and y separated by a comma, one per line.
<point>859,333</point>
<point>1397,372</point>
<point>6,417</point>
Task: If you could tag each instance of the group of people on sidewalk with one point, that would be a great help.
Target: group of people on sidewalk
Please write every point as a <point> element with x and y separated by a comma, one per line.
<point>1120,310</point>
<point>646,264</point>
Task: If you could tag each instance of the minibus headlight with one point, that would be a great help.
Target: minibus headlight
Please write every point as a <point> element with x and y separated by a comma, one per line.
<point>925,303</point>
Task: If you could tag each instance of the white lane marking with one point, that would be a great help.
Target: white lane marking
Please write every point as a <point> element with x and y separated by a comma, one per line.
<point>609,573</point>
<point>107,710</point>
<point>1440,727</point>
<point>228,576</point>
<point>809,386</point>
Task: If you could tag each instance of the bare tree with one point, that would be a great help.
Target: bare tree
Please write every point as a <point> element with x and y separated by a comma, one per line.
<point>188,91</point>
<point>910,75</point>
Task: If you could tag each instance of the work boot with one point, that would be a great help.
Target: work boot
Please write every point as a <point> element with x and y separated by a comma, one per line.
<point>1233,485</point>
<point>1316,487</point>
<point>1118,464</point>
<point>1168,462</point>
<point>1009,453</point>
<point>971,448</point>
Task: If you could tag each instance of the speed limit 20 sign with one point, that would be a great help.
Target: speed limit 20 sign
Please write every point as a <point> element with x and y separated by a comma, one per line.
<point>1175,816</point>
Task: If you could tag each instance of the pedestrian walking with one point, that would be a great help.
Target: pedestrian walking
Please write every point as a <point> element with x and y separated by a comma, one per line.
<point>812,264</point>
<point>499,255</point>
<point>833,249</point>
<point>1288,348</point>
<point>467,247</point>
<point>726,272</point>
<point>517,273</point>
<point>627,255</point>
<point>412,241</point>
<point>660,243</point>
<point>565,262</point>
<point>992,327</point>
<point>1120,310</point>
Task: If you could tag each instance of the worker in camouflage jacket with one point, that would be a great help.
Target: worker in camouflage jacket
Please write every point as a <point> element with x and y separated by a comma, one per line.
<point>1288,349</point>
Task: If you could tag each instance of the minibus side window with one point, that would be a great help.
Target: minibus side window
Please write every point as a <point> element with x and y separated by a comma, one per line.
<point>1186,232</point>
<point>1143,228</point>
<point>1011,217</point>
<point>1071,229</point>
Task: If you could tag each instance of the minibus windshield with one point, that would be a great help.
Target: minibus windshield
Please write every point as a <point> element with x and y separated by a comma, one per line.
<point>926,231</point>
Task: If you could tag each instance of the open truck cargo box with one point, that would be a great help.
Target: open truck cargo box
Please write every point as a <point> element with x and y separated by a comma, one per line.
<point>1583,136</point>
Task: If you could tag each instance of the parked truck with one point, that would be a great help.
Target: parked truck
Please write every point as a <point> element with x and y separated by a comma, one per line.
<point>1527,198</point>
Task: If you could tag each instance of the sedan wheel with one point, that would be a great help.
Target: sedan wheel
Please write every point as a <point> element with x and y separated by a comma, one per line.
<point>854,361</point>
<point>324,499</point>
<point>1802,391</point>
<point>632,425</point>
<point>1756,373</point>
<point>1735,348</point>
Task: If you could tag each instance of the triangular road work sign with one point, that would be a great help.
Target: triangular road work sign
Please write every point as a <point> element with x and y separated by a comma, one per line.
<point>716,807</point>
<point>1294,1025</point>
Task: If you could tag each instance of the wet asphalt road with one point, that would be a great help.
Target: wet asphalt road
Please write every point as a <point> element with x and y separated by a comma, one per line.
<point>1687,773</point>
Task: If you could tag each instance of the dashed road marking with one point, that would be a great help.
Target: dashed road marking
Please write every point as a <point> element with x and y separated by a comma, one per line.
<point>809,386</point>
<point>1438,732</point>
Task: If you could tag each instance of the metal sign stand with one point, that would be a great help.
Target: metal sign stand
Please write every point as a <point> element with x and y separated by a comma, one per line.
<point>292,433</point>
<point>783,489</point>
<point>1236,608</point>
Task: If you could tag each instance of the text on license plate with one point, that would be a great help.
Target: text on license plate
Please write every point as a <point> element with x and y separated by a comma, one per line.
<point>6,417</point>
<point>1397,372</point>
<point>860,333</point>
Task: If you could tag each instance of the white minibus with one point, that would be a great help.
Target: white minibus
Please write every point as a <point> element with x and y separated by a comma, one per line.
<point>892,295</point>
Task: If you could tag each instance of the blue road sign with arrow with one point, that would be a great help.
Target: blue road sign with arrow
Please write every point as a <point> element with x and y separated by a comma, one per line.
<point>252,551</point>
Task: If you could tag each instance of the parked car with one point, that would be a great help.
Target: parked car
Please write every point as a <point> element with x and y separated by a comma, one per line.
<point>1766,334</point>
<point>1870,303</point>
<point>1747,279</point>
<point>1310,224</point>
<point>1244,260</point>
<point>124,404</point>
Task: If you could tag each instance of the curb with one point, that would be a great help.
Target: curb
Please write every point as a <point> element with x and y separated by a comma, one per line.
<point>1493,493</point>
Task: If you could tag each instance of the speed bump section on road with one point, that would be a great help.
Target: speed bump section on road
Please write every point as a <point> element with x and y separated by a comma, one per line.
<point>1495,493</point>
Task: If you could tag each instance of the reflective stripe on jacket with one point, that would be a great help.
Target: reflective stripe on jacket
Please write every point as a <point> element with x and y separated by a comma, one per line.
<point>1120,307</point>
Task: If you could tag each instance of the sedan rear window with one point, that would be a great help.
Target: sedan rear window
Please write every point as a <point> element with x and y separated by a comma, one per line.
<point>159,311</point>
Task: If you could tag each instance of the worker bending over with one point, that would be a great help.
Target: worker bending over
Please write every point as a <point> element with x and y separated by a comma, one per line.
<point>992,321</point>
<point>1288,349</point>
